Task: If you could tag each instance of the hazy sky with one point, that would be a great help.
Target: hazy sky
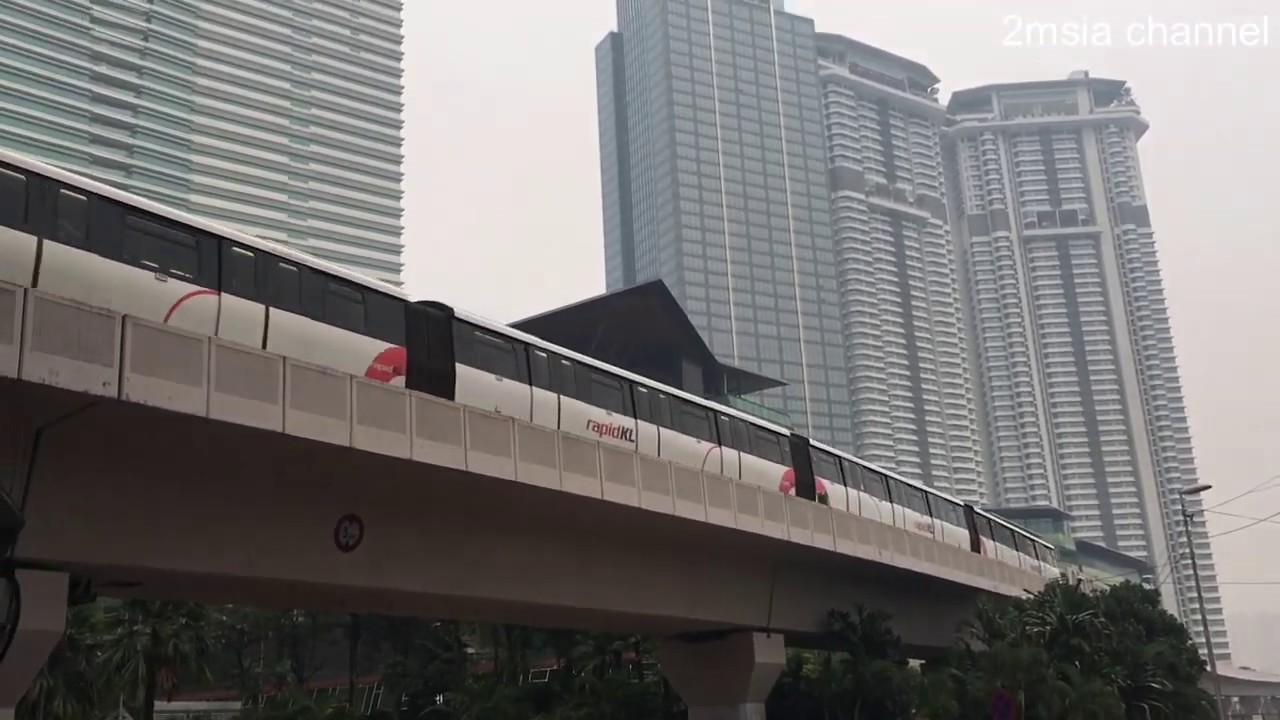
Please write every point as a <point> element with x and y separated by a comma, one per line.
<point>502,187</point>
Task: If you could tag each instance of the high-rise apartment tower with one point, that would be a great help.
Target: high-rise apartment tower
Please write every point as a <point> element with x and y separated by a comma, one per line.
<point>1080,399</point>
<point>910,384</point>
<point>278,118</point>
<point>714,175</point>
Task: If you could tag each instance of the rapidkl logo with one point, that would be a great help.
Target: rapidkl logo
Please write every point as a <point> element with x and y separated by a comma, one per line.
<point>611,430</point>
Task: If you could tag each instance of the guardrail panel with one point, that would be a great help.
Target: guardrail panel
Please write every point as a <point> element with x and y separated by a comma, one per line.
<point>490,444</point>
<point>799,519</point>
<point>620,475</point>
<point>580,466</point>
<point>746,507</point>
<point>690,496</point>
<point>773,508</point>
<point>247,385</point>
<point>655,486</point>
<point>537,456</point>
<point>11,302</point>
<point>317,403</point>
<point>165,367</point>
<point>70,345</point>
<point>824,533</point>
<point>439,432</point>
<point>718,491</point>
<point>381,419</point>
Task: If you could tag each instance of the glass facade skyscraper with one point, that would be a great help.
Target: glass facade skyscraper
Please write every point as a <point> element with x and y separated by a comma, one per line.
<point>281,118</point>
<point>714,175</point>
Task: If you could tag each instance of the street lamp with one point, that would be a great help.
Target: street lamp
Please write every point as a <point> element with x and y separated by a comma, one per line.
<point>1195,571</point>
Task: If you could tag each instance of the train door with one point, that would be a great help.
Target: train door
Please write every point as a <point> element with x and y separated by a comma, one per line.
<point>730,445</point>
<point>431,367</point>
<point>971,522</point>
<point>802,463</point>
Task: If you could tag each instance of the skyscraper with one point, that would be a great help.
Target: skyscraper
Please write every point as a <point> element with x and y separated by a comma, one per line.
<point>278,118</point>
<point>1080,402</point>
<point>714,175</point>
<point>910,383</point>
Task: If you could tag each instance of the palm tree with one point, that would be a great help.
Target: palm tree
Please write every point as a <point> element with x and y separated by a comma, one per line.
<point>71,685</point>
<point>150,646</point>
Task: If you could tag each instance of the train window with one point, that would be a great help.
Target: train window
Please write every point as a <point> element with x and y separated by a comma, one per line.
<point>540,369</point>
<point>694,421</point>
<point>909,497</point>
<point>287,280</point>
<point>662,410</point>
<point>876,485</point>
<point>239,271</point>
<point>495,355</point>
<point>563,378</point>
<point>13,200</point>
<point>937,506</point>
<point>1029,547</point>
<point>1049,555</point>
<point>724,429</point>
<point>608,392</point>
<point>644,404</point>
<point>769,446</point>
<point>826,467</point>
<point>73,219</point>
<point>920,501</point>
<point>384,317</point>
<point>943,509</point>
<point>343,307</point>
<point>852,474</point>
<point>742,434</point>
<point>1003,535</point>
<point>161,249</point>
<point>984,527</point>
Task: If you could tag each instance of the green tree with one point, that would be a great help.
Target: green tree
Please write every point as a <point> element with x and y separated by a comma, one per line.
<point>71,685</point>
<point>1067,653</point>
<point>149,646</point>
<point>862,674</point>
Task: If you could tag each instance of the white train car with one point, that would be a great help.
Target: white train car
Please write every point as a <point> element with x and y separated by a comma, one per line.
<point>76,238</point>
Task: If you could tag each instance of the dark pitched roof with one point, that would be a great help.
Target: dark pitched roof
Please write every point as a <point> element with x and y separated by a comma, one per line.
<point>627,326</point>
<point>1115,557</point>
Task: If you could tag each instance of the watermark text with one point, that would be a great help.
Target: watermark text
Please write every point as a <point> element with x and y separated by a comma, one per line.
<point>1148,32</point>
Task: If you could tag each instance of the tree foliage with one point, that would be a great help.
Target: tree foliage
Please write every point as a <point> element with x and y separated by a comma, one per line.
<point>1064,653</point>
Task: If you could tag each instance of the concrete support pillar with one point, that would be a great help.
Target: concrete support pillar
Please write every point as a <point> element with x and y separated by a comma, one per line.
<point>40,627</point>
<point>727,678</point>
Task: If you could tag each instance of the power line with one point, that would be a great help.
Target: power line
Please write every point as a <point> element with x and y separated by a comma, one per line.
<point>1242,517</point>
<point>1256,488</point>
<point>1256,521</point>
<point>1164,572</point>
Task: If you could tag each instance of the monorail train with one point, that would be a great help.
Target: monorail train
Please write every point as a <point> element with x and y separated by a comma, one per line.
<point>79,239</point>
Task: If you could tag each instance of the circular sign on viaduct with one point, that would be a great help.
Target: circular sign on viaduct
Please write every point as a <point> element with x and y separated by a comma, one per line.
<point>348,533</point>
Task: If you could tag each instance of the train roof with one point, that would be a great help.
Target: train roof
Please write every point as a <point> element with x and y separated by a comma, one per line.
<point>209,226</point>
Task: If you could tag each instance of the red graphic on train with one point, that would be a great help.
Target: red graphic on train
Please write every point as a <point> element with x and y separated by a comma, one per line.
<point>788,485</point>
<point>388,365</point>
